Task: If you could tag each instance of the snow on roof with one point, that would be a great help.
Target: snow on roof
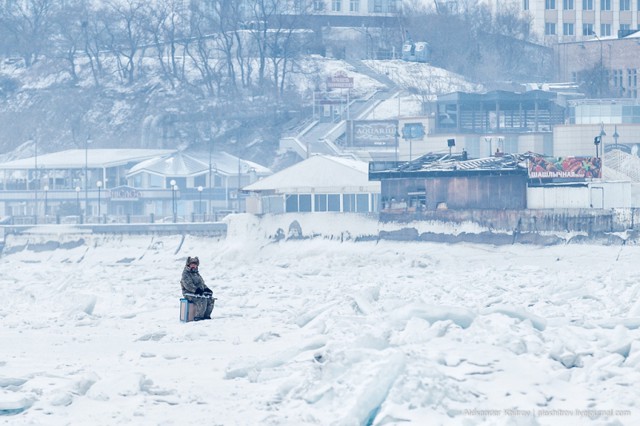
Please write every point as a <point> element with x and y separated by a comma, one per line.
<point>189,164</point>
<point>95,158</point>
<point>174,165</point>
<point>322,173</point>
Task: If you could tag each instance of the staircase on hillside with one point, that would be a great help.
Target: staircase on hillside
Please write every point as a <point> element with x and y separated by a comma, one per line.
<point>361,68</point>
<point>320,137</point>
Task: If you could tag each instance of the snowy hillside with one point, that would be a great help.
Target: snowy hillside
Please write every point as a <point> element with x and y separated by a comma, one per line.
<point>323,331</point>
<point>47,108</point>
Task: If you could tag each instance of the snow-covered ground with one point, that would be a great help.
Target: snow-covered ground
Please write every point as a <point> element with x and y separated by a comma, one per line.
<point>318,331</point>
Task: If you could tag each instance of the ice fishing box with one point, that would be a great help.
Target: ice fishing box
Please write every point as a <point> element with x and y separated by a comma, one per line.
<point>187,310</point>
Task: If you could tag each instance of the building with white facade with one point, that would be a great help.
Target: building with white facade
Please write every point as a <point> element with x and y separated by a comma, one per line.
<point>575,20</point>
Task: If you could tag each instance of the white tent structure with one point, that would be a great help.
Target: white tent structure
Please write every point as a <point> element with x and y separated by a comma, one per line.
<point>320,183</point>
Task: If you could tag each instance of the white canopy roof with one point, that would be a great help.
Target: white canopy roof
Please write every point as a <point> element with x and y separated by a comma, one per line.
<point>191,164</point>
<point>95,158</point>
<point>320,174</point>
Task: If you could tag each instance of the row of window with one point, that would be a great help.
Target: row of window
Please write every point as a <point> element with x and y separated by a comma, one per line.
<point>358,203</point>
<point>379,6</point>
<point>586,4</point>
<point>568,29</point>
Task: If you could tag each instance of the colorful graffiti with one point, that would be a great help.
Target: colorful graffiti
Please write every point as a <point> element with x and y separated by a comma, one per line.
<point>564,167</point>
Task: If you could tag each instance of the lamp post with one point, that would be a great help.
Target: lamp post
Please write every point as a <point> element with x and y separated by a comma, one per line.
<point>173,199</point>
<point>488,140</point>
<point>46,199</point>
<point>200,200</point>
<point>210,207</point>
<point>78,200</point>
<point>239,182</point>
<point>451,143</point>
<point>397,135</point>
<point>99,185</point>
<point>36,182</point>
<point>86,174</point>
<point>616,136</point>
<point>602,134</point>
<point>410,149</point>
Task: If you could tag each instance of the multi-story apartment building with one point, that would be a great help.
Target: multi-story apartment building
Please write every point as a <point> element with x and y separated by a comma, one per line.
<point>356,7</point>
<point>576,20</point>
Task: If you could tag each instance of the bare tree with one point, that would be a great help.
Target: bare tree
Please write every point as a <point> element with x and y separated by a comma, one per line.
<point>69,32</point>
<point>28,23</point>
<point>166,25</point>
<point>203,52</point>
<point>277,39</point>
<point>127,34</point>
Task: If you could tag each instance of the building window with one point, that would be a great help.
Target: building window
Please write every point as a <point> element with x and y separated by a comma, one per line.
<point>625,4</point>
<point>588,4</point>
<point>605,4</point>
<point>318,5</point>
<point>392,8</point>
<point>587,29</point>
<point>617,78</point>
<point>349,202</point>
<point>362,203</point>
<point>625,27</point>
<point>605,30</point>
<point>298,203</point>
<point>327,202</point>
<point>549,28</point>
<point>336,5</point>
<point>632,76</point>
<point>354,6</point>
<point>549,4</point>
<point>525,4</point>
<point>567,29</point>
<point>355,203</point>
<point>567,4</point>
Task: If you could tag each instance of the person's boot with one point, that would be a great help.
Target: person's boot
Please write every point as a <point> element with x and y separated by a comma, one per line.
<point>207,317</point>
<point>198,318</point>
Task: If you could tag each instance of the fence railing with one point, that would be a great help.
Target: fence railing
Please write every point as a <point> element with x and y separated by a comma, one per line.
<point>106,219</point>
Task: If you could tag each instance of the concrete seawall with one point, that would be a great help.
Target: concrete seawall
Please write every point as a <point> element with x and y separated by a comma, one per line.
<point>496,227</point>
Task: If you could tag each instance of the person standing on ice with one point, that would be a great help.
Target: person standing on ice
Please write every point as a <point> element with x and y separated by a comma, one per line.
<point>195,291</point>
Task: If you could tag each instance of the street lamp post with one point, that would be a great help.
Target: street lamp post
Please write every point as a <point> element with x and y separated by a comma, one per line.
<point>397,135</point>
<point>411,149</point>
<point>451,143</point>
<point>36,181</point>
<point>488,140</point>
<point>78,201</point>
<point>616,136</point>
<point>173,199</point>
<point>46,199</point>
<point>99,185</point>
<point>200,200</point>
<point>86,174</point>
<point>210,208</point>
<point>602,135</point>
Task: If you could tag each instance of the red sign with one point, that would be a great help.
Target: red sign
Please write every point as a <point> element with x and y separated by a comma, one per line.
<point>564,167</point>
<point>340,80</point>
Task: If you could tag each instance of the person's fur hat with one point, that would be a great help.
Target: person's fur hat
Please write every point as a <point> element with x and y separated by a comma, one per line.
<point>194,259</point>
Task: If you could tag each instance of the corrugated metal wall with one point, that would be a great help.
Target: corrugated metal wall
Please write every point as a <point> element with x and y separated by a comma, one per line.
<point>462,192</point>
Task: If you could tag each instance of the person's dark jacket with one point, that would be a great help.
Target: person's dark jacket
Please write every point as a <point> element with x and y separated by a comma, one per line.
<point>192,282</point>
